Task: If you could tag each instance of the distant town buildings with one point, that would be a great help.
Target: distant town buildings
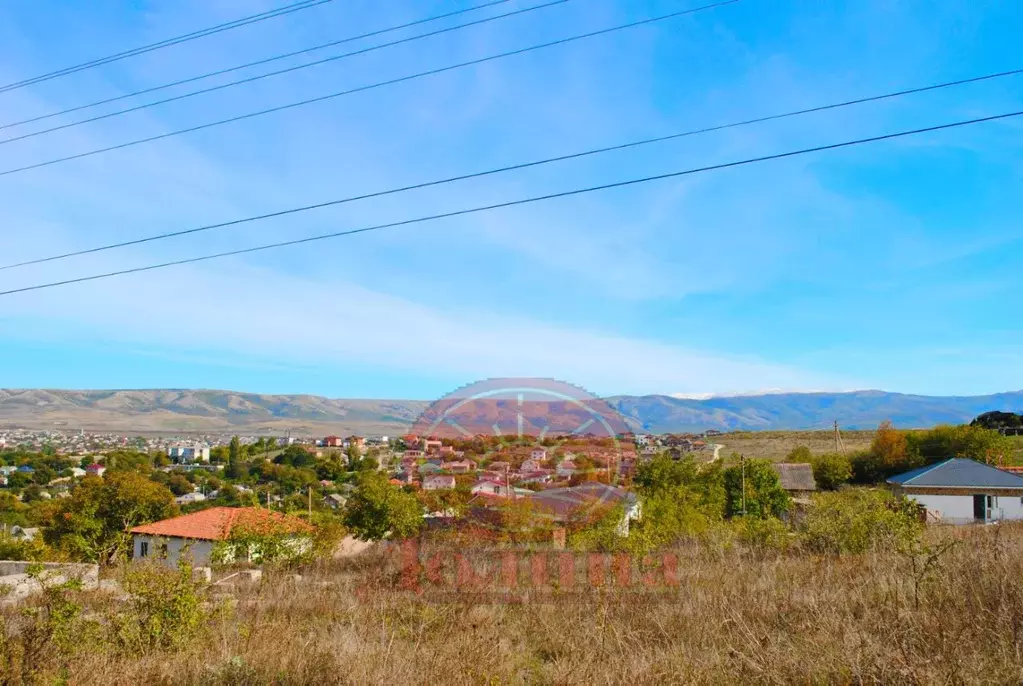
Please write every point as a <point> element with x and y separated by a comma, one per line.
<point>188,454</point>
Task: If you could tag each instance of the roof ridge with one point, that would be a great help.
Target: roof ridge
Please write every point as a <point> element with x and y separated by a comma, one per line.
<point>929,468</point>
<point>232,515</point>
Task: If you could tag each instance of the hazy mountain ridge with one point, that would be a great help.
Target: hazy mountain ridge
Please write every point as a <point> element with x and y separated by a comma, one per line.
<point>212,410</point>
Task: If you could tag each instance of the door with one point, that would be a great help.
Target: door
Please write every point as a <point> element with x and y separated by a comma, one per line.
<point>980,507</point>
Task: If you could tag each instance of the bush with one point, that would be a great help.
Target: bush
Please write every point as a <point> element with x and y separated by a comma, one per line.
<point>165,609</point>
<point>859,520</point>
<point>799,455</point>
<point>831,470</point>
<point>764,496</point>
<point>762,534</point>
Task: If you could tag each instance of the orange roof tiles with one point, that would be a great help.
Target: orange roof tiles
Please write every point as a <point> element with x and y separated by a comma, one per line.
<point>216,524</point>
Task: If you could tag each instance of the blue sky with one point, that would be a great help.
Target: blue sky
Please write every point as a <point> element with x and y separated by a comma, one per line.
<point>892,266</point>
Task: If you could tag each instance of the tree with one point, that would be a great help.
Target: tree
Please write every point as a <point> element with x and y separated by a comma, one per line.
<point>92,524</point>
<point>890,447</point>
<point>831,470</point>
<point>764,496</point>
<point>179,485</point>
<point>378,510</point>
<point>799,455</point>
<point>235,469</point>
<point>296,456</point>
<point>352,455</point>
<point>970,442</point>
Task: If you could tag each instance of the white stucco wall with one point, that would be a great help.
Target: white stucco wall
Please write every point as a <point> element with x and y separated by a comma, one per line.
<point>199,551</point>
<point>958,509</point>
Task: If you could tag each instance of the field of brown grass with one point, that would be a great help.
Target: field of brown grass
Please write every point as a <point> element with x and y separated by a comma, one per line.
<point>737,616</point>
<point>775,445</point>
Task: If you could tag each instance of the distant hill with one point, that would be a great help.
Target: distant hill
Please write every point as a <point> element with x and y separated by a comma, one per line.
<point>225,411</point>
<point>854,410</point>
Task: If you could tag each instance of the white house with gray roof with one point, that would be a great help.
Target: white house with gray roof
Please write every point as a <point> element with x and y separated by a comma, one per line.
<point>960,491</point>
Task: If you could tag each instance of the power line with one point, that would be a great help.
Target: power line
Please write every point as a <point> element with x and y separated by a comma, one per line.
<point>526,165</point>
<point>379,84</point>
<point>297,67</point>
<point>201,33</point>
<point>267,60</point>
<point>522,201</point>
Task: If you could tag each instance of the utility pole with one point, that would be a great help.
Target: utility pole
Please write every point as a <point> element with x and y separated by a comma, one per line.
<point>310,503</point>
<point>838,439</point>
<point>742,462</point>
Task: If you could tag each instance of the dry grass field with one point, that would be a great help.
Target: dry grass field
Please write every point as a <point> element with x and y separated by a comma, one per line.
<point>775,445</point>
<point>737,616</point>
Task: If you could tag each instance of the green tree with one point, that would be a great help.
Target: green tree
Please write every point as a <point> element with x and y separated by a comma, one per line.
<point>799,455</point>
<point>831,470</point>
<point>235,468</point>
<point>970,442</point>
<point>93,523</point>
<point>352,456</point>
<point>179,485</point>
<point>764,495</point>
<point>378,510</point>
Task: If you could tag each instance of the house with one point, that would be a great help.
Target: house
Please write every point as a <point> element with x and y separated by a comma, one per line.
<point>566,468</point>
<point>414,454</point>
<point>332,442</point>
<point>539,476</point>
<point>438,482</point>
<point>531,465</point>
<point>334,501</point>
<point>432,445</point>
<point>78,472</point>
<point>797,479</point>
<point>459,466</point>
<point>428,468</point>
<point>25,469</point>
<point>404,478</point>
<point>576,502</point>
<point>208,534</point>
<point>960,491</point>
<point>188,498</point>
<point>188,454</point>
<point>95,469</point>
<point>498,467</point>
<point>538,454</point>
<point>7,470</point>
<point>496,489</point>
<point>447,450</point>
<point>357,441</point>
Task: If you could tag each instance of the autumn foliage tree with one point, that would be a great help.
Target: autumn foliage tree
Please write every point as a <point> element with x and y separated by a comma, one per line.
<point>93,523</point>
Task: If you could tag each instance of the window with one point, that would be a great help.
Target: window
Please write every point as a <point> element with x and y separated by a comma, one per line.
<point>144,549</point>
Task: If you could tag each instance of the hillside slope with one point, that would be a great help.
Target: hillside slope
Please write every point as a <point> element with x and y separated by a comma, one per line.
<point>222,411</point>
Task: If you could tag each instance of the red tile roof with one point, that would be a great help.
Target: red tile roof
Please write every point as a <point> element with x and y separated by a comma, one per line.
<point>216,523</point>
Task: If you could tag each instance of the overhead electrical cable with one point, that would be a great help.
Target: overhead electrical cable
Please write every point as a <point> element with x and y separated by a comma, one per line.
<point>526,165</point>
<point>522,201</point>
<point>228,70</point>
<point>297,67</point>
<point>201,33</point>
<point>359,89</point>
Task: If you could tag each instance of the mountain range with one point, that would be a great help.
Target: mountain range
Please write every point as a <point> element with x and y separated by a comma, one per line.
<point>211,411</point>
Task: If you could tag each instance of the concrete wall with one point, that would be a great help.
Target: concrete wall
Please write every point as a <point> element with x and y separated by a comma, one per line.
<point>89,574</point>
<point>199,551</point>
<point>958,509</point>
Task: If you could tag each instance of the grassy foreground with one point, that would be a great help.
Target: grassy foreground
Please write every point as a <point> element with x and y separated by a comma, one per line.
<point>737,616</point>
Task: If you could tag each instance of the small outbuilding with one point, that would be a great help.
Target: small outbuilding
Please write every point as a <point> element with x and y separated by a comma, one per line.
<point>796,478</point>
<point>961,491</point>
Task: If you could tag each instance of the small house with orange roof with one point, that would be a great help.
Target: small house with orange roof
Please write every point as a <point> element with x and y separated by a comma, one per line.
<point>199,535</point>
